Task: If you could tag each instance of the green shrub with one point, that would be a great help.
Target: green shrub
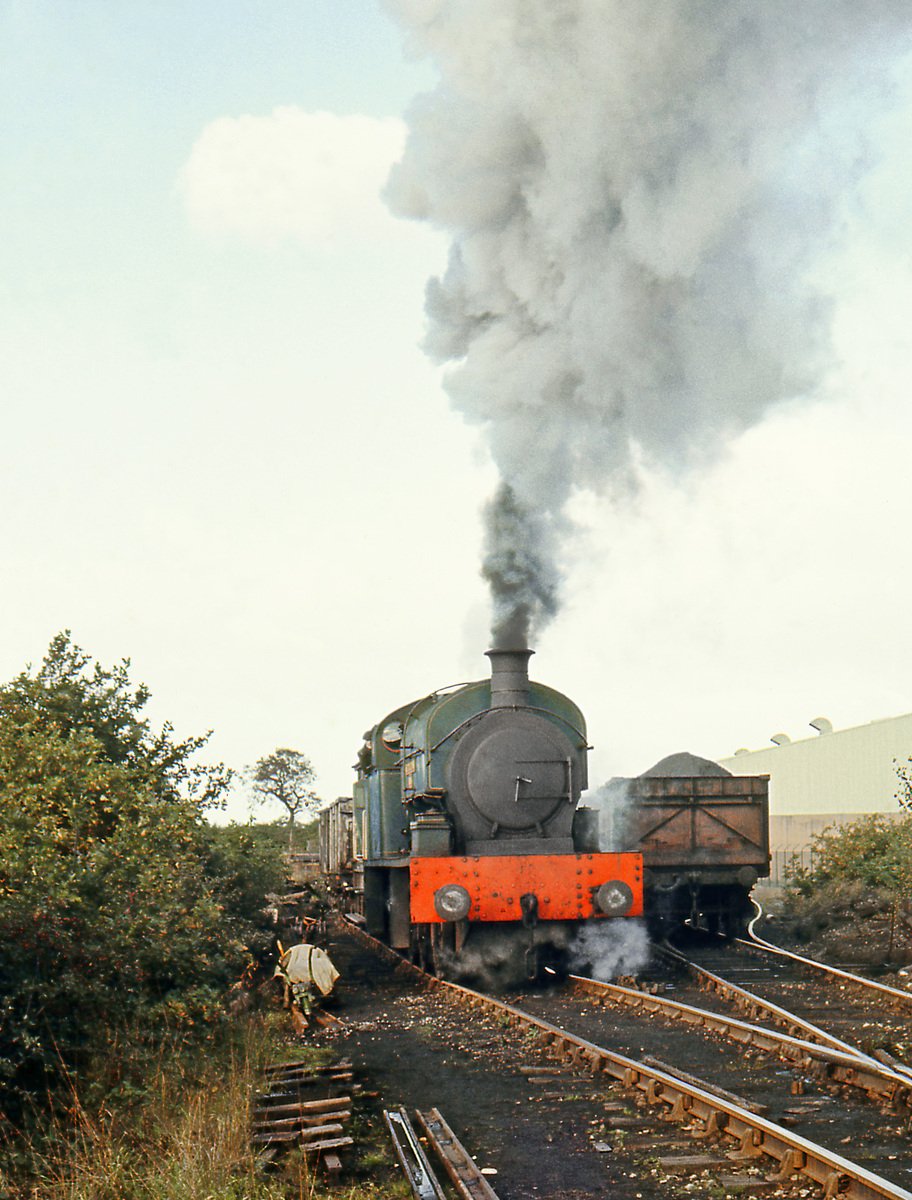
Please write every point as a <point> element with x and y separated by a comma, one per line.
<point>120,907</point>
<point>874,851</point>
<point>861,871</point>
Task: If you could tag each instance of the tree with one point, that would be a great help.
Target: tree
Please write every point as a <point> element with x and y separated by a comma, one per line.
<point>285,776</point>
<point>117,907</point>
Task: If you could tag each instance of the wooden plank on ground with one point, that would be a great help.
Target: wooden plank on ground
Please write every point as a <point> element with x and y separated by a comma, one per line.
<point>329,1144</point>
<point>291,1135</point>
<point>342,1114</point>
<point>303,1106</point>
<point>302,1064</point>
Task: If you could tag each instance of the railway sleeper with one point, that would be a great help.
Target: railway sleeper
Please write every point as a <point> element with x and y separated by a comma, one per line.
<point>303,1136</point>
<point>791,1160</point>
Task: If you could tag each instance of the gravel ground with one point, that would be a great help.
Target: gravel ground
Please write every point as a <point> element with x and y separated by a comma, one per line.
<point>417,1049</point>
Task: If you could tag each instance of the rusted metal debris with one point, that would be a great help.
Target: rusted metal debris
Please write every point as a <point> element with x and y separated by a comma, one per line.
<point>414,1162</point>
<point>464,1174</point>
<point>466,1178</point>
<point>303,1106</point>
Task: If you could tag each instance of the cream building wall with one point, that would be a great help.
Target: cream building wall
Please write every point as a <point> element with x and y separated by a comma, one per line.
<point>831,778</point>
<point>846,771</point>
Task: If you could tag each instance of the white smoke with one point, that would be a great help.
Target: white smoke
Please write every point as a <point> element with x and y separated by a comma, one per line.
<point>614,805</point>
<point>637,194</point>
<point>606,950</point>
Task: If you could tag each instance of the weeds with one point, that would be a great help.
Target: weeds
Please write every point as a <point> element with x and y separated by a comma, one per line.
<point>175,1126</point>
<point>168,1128</point>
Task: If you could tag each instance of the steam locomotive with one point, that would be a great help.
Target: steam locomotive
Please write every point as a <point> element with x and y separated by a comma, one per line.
<point>465,845</point>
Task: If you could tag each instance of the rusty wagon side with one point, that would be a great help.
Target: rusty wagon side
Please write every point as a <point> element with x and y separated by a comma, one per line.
<point>704,841</point>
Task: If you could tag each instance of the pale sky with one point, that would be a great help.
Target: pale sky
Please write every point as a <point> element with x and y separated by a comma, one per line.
<point>226,457</point>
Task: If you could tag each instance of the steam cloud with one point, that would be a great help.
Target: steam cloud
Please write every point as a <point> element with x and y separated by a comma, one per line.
<point>609,950</point>
<point>637,193</point>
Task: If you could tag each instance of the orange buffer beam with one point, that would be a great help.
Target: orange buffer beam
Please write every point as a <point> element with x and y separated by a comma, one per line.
<point>565,884</point>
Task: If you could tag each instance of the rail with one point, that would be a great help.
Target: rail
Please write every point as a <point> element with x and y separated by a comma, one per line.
<point>757,1006</point>
<point>466,1178</point>
<point>854,1070</point>
<point>412,1158</point>
<point>464,1175</point>
<point>896,996</point>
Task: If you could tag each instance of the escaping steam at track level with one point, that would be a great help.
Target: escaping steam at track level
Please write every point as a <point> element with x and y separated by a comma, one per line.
<point>637,194</point>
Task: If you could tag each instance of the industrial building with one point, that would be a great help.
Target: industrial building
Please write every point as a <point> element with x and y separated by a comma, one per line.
<point>830,778</point>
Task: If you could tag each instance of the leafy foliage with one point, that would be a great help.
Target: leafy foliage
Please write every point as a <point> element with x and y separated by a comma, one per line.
<point>874,851</point>
<point>904,776</point>
<point>275,833</point>
<point>244,864</point>
<point>861,882</point>
<point>118,904</point>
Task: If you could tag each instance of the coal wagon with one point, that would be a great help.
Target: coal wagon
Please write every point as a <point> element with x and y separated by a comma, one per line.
<point>704,837</point>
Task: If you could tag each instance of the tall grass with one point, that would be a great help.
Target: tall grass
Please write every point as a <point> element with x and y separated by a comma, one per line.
<point>174,1124</point>
<point>169,1127</point>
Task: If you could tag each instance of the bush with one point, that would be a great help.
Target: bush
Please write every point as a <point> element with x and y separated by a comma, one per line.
<point>244,864</point>
<point>119,905</point>
<point>874,850</point>
<point>862,873</point>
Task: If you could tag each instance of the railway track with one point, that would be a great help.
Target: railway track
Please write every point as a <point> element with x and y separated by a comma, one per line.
<point>740,1129</point>
<point>877,1080</point>
<point>893,997</point>
<point>808,999</point>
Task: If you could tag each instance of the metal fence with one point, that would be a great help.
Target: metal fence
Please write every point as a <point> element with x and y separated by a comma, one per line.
<point>786,860</point>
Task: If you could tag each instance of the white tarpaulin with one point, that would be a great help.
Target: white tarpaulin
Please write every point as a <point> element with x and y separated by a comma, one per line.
<point>308,965</point>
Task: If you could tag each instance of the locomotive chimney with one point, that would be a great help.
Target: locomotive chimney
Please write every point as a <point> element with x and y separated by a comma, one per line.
<point>509,677</point>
